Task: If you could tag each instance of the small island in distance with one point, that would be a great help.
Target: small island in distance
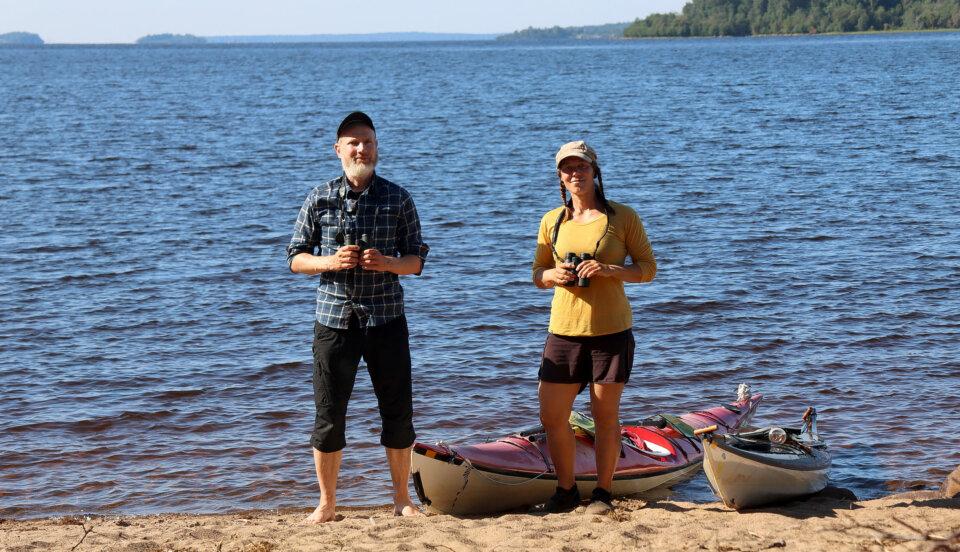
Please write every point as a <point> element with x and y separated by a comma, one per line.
<point>20,38</point>
<point>168,38</point>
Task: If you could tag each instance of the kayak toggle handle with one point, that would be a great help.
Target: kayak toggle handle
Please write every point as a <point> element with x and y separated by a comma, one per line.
<point>704,430</point>
<point>810,424</point>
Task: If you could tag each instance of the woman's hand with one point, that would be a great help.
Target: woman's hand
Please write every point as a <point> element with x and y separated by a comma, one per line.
<point>559,276</point>
<point>593,267</point>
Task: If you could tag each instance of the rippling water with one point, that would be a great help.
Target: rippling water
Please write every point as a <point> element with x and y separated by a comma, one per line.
<point>801,194</point>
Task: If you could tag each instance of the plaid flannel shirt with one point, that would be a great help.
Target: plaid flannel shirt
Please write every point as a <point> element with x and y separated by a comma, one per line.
<point>386,213</point>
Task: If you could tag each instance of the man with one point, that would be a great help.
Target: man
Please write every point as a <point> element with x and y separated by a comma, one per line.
<point>359,232</point>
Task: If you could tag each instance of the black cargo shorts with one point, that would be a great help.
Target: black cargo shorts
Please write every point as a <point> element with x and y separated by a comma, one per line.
<point>336,356</point>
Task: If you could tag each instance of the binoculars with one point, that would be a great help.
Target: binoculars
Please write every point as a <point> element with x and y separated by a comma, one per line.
<point>364,243</point>
<point>576,260</point>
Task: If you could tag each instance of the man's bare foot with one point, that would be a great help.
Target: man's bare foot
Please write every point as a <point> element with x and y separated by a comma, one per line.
<point>406,510</point>
<point>322,514</point>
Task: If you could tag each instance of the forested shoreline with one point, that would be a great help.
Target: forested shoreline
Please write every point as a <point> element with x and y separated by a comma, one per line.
<point>762,17</point>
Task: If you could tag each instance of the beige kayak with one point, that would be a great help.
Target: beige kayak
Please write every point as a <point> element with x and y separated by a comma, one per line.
<point>750,469</point>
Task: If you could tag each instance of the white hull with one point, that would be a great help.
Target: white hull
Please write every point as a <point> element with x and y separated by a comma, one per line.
<point>743,482</point>
<point>461,489</point>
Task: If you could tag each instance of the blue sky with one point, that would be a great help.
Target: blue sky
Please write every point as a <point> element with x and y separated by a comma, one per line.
<point>93,21</point>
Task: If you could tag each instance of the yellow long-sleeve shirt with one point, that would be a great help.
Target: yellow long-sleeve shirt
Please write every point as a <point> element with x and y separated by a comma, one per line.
<point>602,308</point>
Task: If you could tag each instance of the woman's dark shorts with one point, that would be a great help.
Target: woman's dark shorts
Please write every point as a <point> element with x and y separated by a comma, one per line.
<point>336,355</point>
<point>588,359</point>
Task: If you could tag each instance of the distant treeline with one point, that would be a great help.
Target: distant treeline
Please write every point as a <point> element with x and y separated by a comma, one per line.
<point>168,38</point>
<point>367,37</point>
<point>21,38</point>
<point>610,30</point>
<point>758,17</point>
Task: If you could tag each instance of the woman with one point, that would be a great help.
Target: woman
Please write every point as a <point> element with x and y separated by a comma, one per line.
<point>590,340</point>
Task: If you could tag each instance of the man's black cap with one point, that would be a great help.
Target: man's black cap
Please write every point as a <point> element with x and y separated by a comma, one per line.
<point>355,118</point>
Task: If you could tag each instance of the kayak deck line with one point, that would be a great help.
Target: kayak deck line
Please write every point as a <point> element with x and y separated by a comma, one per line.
<point>788,456</point>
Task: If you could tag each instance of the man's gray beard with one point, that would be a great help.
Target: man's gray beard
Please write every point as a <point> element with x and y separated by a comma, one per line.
<point>359,171</point>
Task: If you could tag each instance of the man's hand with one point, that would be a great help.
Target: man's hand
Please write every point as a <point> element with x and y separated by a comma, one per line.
<point>373,259</point>
<point>347,257</point>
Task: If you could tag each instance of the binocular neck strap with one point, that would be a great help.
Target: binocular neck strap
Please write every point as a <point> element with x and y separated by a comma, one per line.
<point>341,207</point>
<point>556,234</point>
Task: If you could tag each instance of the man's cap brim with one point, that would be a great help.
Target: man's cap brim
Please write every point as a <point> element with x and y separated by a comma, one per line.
<point>355,118</point>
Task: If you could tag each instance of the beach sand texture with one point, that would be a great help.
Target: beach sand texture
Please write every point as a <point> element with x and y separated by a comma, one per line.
<point>920,521</point>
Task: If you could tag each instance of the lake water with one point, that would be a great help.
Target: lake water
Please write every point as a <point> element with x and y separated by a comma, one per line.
<point>802,196</point>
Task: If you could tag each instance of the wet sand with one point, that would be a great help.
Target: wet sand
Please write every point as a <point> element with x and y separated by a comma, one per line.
<point>922,521</point>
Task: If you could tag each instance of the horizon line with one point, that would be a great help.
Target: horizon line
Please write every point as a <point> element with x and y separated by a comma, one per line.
<point>480,36</point>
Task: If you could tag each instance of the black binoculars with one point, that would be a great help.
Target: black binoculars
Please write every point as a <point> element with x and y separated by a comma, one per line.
<point>576,260</point>
<point>364,242</point>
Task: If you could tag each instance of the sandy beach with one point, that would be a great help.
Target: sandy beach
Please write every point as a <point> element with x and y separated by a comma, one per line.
<point>916,521</point>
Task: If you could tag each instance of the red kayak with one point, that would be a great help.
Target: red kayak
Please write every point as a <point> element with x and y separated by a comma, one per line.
<point>517,470</point>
